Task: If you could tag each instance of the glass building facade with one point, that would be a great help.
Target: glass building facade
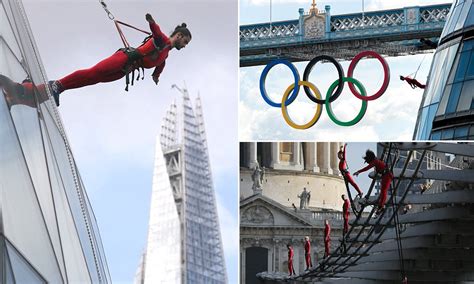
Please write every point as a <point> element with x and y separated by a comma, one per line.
<point>184,243</point>
<point>48,232</point>
<point>447,108</point>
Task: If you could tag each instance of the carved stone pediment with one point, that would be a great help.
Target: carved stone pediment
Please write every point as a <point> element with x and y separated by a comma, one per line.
<point>257,215</point>
<point>314,26</point>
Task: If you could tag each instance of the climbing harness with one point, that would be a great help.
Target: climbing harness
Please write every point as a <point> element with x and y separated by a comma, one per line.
<point>135,59</point>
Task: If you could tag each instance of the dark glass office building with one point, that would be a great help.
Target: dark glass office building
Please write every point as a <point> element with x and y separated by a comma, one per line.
<point>447,109</point>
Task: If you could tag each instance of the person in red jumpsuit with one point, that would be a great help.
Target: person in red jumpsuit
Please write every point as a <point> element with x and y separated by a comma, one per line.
<point>345,214</point>
<point>327,237</point>
<point>151,54</point>
<point>345,170</point>
<point>307,253</point>
<point>24,93</point>
<point>382,169</point>
<point>412,82</point>
<point>291,269</point>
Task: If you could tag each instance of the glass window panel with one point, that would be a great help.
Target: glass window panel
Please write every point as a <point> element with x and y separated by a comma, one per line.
<point>467,94</point>
<point>444,100</point>
<point>7,35</point>
<point>470,18</point>
<point>429,119</point>
<point>462,16</point>
<point>22,270</point>
<point>422,124</point>
<point>470,68</point>
<point>455,17</point>
<point>436,135</point>
<point>453,98</point>
<point>447,134</point>
<point>10,278</point>
<point>461,132</point>
<point>468,45</point>
<point>471,131</point>
<point>463,62</point>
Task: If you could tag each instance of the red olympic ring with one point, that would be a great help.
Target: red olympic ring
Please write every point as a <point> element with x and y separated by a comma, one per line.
<point>386,77</point>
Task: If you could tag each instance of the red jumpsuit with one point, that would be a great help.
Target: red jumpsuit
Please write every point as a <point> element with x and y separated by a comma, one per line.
<point>291,253</point>
<point>307,254</point>
<point>345,214</point>
<point>154,53</point>
<point>413,82</point>
<point>327,239</point>
<point>345,173</point>
<point>387,177</point>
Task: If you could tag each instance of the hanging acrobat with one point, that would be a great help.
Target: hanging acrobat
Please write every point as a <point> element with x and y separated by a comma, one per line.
<point>151,54</point>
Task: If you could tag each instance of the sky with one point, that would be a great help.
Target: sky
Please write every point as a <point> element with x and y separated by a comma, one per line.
<point>113,133</point>
<point>391,117</point>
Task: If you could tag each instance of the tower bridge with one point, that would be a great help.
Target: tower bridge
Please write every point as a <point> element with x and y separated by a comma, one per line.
<point>394,32</point>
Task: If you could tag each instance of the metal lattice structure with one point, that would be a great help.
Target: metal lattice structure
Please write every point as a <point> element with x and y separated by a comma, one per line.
<point>390,32</point>
<point>183,223</point>
<point>429,243</point>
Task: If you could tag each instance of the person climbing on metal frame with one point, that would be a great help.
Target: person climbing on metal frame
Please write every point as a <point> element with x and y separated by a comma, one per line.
<point>344,169</point>
<point>291,253</point>
<point>345,215</point>
<point>307,253</point>
<point>327,237</point>
<point>123,63</point>
<point>382,169</point>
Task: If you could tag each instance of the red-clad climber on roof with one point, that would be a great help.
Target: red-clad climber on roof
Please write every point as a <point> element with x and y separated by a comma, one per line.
<point>151,54</point>
<point>382,169</point>
<point>345,170</point>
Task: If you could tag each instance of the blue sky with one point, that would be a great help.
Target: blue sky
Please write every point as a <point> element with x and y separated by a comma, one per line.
<point>391,117</point>
<point>113,133</point>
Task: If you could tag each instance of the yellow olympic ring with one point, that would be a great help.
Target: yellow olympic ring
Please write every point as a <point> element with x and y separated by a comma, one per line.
<point>284,110</point>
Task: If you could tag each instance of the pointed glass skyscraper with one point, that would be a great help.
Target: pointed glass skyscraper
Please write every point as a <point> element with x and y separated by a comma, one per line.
<point>184,243</point>
<point>48,232</point>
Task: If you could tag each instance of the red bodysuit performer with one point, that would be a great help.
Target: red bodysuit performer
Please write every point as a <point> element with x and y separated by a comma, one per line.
<point>412,82</point>
<point>327,238</point>
<point>307,252</point>
<point>151,54</point>
<point>291,269</point>
<point>380,168</point>
<point>345,171</point>
<point>345,214</point>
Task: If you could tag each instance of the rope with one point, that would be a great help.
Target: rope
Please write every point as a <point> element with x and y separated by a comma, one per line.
<point>117,22</point>
<point>397,224</point>
<point>419,66</point>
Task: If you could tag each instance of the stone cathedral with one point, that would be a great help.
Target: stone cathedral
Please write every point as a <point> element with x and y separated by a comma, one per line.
<point>287,190</point>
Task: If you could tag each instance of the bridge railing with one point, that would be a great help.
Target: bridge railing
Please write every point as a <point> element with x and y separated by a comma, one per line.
<point>419,17</point>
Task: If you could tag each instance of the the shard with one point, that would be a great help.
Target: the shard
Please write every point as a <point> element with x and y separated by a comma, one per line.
<point>184,243</point>
<point>48,233</point>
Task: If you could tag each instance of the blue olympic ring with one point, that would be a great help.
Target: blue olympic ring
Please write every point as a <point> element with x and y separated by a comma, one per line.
<point>263,77</point>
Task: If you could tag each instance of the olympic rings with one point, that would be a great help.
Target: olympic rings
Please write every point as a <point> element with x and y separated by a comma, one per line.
<point>386,77</point>
<point>340,72</point>
<point>284,110</point>
<point>263,77</point>
<point>363,108</point>
<point>332,93</point>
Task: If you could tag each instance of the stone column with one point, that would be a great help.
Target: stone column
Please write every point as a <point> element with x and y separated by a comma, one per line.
<point>251,154</point>
<point>334,159</point>
<point>312,157</point>
<point>325,157</point>
<point>296,159</point>
<point>275,156</point>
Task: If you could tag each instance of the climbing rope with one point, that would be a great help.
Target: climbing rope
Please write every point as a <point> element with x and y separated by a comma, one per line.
<point>118,23</point>
<point>397,222</point>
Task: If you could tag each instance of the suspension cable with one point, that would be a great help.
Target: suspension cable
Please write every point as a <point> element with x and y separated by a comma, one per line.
<point>106,9</point>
